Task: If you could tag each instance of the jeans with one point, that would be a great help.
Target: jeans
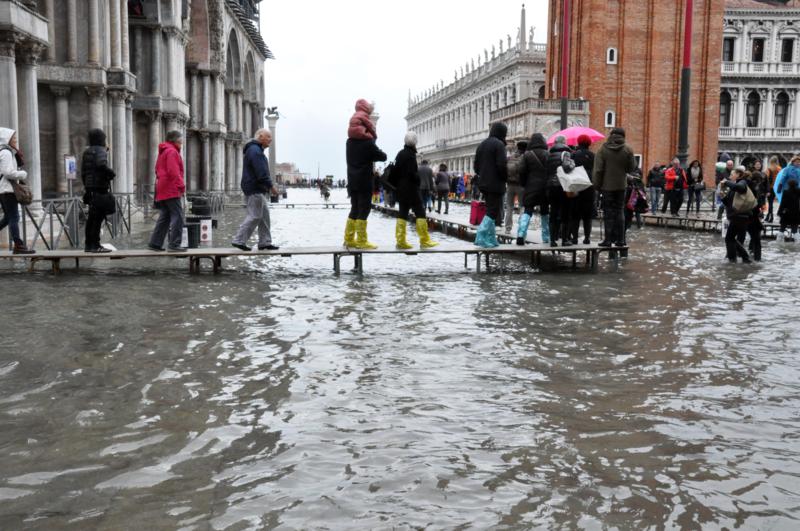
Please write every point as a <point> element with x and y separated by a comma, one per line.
<point>258,216</point>
<point>10,215</point>
<point>170,219</point>
<point>513,191</point>
<point>360,206</point>
<point>655,199</point>
<point>695,197</point>
<point>614,216</point>
<point>734,240</point>
<point>442,194</point>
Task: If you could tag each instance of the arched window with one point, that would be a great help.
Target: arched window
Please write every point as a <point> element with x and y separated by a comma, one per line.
<point>611,56</point>
<point>611,119</point>
<point>725,107</point>
<point>782,110</point>
<point>541,92</point>
<point>753,104</point>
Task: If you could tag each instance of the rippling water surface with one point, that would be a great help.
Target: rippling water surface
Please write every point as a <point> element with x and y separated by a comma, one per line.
<point>276,395</point>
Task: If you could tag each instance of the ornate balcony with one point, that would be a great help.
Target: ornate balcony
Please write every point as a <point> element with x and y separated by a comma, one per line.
<point>776,134</point>
<point>761,69</point>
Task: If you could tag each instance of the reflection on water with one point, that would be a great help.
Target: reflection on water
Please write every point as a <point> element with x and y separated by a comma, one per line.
<point>278,395</point>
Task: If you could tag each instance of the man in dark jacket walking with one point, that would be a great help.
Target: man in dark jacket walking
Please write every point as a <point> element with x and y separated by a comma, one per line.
<point>361,156</point>
<point>612,165</point>
<point>96,176</point>
<point>491,163</point>
<point>256,183</point>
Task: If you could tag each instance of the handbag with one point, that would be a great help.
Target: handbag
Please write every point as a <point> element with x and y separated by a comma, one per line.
<point>575,181</point>
<point>22,192</point>
<point>477,211</point>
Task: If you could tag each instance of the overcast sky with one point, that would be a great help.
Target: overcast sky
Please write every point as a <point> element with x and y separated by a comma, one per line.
<point>329,54</point>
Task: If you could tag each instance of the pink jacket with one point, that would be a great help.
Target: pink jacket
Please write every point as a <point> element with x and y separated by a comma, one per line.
<point>361,127</point>
<point>169,173</point>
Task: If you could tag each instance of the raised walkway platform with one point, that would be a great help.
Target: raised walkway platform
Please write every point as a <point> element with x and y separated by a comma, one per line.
<point>700,224</point>
<point>216,255</point>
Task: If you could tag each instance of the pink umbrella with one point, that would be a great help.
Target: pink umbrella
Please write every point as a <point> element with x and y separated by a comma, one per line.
<point>572,134</point>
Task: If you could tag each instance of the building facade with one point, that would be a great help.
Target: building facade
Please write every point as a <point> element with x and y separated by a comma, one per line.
<point>451,120</point>
<point>625,59</point>
<point>759,115</point>
<point>135,68</point>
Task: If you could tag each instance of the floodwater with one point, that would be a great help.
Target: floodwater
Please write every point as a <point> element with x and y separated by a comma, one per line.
<point>664,395</point>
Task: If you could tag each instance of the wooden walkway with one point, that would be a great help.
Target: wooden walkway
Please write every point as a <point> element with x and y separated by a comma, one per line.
<point>298,205</point>
<point>533,253</point>
<point>701,224</point>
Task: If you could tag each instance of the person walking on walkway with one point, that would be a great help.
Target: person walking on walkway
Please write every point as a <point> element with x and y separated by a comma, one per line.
<point>96,177</point>
<point>426,185</point>
<point>408,198</point>
<point>697,186</point>
<point>612,165</point>
<point>170,187</point>
<point>773,170</point>
<point>442,189</point>
<point>655,185</point>
<point>361,155</point>
<point>491,164</point>
<point>256,184</point>
<point>515,190</point>
<point>556,197</point>
<point>583,204</point>
<point>533,179</point>
<point>739,212</point>
<point>10,172</point>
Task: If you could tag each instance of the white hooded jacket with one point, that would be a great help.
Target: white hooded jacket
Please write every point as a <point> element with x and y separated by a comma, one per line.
<point>8,162</point>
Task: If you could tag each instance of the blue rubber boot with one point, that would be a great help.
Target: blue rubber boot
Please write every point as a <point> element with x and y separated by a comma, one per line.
<point>482,232</point>
<point>545,229</point>
<point>522,231</point>
<point>491,234</point>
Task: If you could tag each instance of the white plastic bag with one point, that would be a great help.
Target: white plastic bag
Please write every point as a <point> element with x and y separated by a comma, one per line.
<point>575,181</point>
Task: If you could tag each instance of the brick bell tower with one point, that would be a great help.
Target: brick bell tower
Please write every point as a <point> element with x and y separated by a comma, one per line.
<point>625,59</point>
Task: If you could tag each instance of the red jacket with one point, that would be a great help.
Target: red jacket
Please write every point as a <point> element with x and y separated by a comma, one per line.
<point>670,176</point>
<point>361,127</point>
<point>169,173</point>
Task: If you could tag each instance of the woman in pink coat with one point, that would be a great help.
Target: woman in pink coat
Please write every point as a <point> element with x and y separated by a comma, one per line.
<point>170,188</point>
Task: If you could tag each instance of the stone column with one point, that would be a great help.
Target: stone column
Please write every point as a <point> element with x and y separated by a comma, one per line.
<point>72,32</point>
<point>119,144</point>
<point>239,115</point>
<point>8,84</point>
<point>741,121</point>
<point>247,119</point>
<point>62,134</point>
<point>115,36</point>
<point>123,33</point>
<point>28,100</point>
<point>172,121</point>
<point>218,103</point>
<point>130,147</point>
<point>96,107</point>
<point>194,100</point>
<point>154,139</point>
<point>272,120</point>
<point>94,33</point>
<point>205,99</point>
<point>50,13</point>
<point>205,163</point>
<point>136,58</point>
<point>155,73</point>
<point>769,114</point>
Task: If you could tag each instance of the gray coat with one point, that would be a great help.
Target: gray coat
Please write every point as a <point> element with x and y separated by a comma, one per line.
<point>425,178</point>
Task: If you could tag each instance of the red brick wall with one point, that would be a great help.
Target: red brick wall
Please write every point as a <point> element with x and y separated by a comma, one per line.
<point>644,87</point>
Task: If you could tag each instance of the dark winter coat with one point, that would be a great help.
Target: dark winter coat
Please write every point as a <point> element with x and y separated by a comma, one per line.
<point>255,171</point>
<point>736,187</point>
<point>95,172</point>
<point>491,162</point>
<point>554,162</point>
<point>406,173</point>
<point>612,165</point>
<point>584,203</point>
<point>789,210</point>
<point>425,178</point>
<point>655,179</point>
<point>533,172</point>
<point>361,155</point>
<point>442,182</point>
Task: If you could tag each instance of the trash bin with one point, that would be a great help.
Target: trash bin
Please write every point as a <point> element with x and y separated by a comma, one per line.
<point>193,230</point>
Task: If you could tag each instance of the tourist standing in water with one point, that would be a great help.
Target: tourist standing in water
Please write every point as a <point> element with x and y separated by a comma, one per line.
<point>612,165</point>
<point>256,184</point>
<point>97,176</point>
<point>583,210</point>
<point>738,218</point>
<point>170,187</point>
<point>491,164</point>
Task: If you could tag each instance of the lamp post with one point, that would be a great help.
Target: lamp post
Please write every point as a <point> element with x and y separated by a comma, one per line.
<point>565,44</point>
<point>686,85</point>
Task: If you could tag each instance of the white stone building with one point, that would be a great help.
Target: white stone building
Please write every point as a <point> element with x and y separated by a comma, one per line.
<point>135,68</point>
<point>451,120</point>
<point>759,114</point>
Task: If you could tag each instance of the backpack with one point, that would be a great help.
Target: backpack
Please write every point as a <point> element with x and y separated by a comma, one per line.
<point>744,203</point>
<point>389,177</point>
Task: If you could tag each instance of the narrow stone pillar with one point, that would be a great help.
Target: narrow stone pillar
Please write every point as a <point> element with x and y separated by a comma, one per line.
<point>72,32</point>
<point>154,139</point>
<point>272,120</point>
<point>94,33</point>
<point>238,108</point>
<point>96,107</point>
<point>50,13</point>
<point>172,121</point>
<point>136,58</point>
<point>62,134</point>
<point>206,99</point>
<point>130,147</point>
<point>119,144</point>
<point>217,156</point>
<point>194,100</point>
<point>28,99</point>
<point>219,99</point>
<point>115,36</point>
<point>8,85</point>
<point>155,74</point>
<point>205,163</point>
<point>247,128</point>
<point>123,35</point>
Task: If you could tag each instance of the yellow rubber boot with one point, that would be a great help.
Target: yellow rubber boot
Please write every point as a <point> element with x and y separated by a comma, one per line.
<point>425,241</point>
<point>400,234</point>
<point>350,233</point>
<point>361,236</point>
